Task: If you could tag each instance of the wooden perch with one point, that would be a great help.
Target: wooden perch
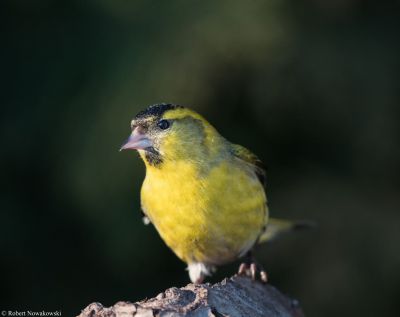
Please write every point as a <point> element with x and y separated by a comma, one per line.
<point>234,297</point>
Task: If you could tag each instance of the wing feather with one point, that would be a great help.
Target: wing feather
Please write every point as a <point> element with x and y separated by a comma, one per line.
<point>250,158</point>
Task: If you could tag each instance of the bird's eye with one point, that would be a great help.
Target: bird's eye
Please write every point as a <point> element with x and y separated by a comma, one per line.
<point>163,124</point>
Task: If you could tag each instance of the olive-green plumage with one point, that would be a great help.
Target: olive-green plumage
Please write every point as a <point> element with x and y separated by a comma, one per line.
<point>204,195</point>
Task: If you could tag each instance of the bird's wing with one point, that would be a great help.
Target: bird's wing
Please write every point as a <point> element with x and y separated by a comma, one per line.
<point>250,158</point>
<point>274,227</point>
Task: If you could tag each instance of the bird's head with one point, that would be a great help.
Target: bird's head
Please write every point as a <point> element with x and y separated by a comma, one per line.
<point>166,132</point>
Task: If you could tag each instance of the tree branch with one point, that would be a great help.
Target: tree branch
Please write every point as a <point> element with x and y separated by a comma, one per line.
<point>234,297</point>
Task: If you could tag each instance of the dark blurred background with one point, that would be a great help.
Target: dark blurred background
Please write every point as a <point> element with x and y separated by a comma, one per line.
<point>312,87</point>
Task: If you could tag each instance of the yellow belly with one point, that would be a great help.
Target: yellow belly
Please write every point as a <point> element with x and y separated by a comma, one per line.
<point>211,217</point>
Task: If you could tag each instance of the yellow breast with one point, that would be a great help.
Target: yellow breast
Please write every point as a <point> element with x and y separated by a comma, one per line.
<point>208,216</point>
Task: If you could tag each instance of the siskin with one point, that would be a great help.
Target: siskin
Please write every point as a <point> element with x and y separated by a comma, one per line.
<point>205,195</point>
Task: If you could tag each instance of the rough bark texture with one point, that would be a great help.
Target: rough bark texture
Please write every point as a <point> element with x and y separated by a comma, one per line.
<point>234,297</point>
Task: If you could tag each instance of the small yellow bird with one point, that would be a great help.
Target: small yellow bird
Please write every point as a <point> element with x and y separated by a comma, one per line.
<point>205,196</point>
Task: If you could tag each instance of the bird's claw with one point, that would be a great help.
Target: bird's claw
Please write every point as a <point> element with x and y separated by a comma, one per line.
<point>251,270</point>
<point>242,269</point>
<point>263,276</point>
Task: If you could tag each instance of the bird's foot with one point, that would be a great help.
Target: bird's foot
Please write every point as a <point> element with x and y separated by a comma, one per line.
<point>251,270</point>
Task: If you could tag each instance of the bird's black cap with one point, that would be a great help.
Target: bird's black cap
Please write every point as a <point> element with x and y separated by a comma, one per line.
<point>156,110</point>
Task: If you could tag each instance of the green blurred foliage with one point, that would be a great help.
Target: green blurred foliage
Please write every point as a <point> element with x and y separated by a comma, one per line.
<point>311,87</point>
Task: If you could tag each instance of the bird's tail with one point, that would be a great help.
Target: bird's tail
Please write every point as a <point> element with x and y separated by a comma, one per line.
<point>277,227</point>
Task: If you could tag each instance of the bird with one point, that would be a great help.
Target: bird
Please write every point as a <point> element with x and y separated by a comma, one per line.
<point>205,196</point>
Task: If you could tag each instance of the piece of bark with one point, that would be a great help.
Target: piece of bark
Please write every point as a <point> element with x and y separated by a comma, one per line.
<point>234,297</point>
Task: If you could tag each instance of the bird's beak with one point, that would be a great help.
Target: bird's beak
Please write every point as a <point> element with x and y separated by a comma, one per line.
<point>137,141</point>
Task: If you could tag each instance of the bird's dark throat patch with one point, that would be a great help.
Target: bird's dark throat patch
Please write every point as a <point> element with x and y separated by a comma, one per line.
<point>153,157</point>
